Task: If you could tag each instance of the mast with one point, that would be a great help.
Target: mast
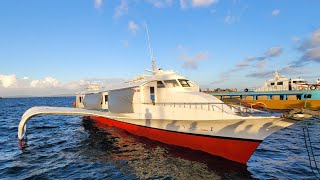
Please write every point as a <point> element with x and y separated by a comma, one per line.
<point>153,61</point>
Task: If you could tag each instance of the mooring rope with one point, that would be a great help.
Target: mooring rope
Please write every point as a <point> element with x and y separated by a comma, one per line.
<point>308,144</point>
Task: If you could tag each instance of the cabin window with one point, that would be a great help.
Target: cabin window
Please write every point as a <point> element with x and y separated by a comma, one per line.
<point>299,97</point>
<point>279,83</point>
<point>171,83</point>
<point>300,82</point>
<point>105,99</point>
<point>272,84</point>
<point>160,84</point>
<point>307,96</point>
<point>184,83</point>
<point>191,83</point>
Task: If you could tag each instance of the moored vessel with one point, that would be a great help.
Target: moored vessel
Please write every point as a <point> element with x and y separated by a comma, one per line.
<point>277,93</point>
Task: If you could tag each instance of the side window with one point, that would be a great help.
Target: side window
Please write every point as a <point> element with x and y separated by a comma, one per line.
<point>307,96</point>
<point>184,83</point>
<point>171,83</point>
<point>160,84</point>
<point>279,83</point>
<point>105,99</point>
<point>80,99</point>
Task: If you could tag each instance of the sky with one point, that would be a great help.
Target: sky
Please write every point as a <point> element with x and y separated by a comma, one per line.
<point>58,47</point>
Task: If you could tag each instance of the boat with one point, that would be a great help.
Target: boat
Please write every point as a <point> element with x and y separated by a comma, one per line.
<point>168,107</point>
<point>278,93</point>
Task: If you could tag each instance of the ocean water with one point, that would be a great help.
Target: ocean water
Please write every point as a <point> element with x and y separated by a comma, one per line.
<point>75,148</point>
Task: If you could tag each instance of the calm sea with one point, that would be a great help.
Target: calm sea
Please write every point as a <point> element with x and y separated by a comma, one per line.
<point>71,147</point>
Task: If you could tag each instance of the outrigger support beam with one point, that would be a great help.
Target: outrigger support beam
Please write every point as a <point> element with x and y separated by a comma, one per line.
<point>44,110</point>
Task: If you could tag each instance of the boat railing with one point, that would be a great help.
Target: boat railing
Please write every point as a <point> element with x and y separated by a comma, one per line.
<point>222,107</point>
<point>275,88</point>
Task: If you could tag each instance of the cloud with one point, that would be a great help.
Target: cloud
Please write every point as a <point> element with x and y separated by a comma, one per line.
<point>183,4</point>
<point>203,3</point>
<point>11,86</point>
<point>7,81</point>
<point>260,74</point>
<point>45,83</point>
<point>262,63</point>
<point>122,9</point>
<point>192,62</point>
<point>273,52</point>
<point>310,49</point>
<point>275,12</point>
<point>312,55</point>
<point>230,19</point>
<point>196,3</point>
<point>243,64</point>
<point>270,53</point>
<point>235,13</point>
<point>98,4</point>
<point>133,27</point>
<point>292,71</point>
<point>311,42</point>
<point>296,39</point>
<point>269,73</point>
<point>160,3</point>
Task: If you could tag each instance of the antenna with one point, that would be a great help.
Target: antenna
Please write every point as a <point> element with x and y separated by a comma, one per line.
<point>153,61</point>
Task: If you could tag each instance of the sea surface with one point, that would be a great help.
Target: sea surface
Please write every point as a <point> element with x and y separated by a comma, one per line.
<point>61,147</point>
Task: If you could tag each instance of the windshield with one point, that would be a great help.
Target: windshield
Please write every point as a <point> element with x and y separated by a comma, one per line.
<point>171,83</point>
<point>184,83</point>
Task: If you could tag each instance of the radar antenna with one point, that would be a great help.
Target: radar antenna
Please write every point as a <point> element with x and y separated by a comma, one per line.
<point>153,61</point>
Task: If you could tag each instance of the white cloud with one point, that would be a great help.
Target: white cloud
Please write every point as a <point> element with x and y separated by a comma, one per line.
<point>275,12</point>
<point>45,83</point>
<point>160,3</point>
<point>203,3</point>
<point>11,86</point>
<point>133,27</point>
<point>8,80</point>
<point>98,4</point>
<point>122,9</point>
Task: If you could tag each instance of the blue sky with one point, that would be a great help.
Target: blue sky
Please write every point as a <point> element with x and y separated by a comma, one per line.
<point>56,47</point>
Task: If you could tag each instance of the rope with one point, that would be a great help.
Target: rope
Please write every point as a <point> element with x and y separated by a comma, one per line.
<point>312,161</point>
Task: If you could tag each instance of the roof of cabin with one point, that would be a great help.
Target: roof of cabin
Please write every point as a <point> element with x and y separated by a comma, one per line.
<point>140,80</point>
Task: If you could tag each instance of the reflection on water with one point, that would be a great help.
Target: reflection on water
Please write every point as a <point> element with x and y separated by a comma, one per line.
<point>151,159</point>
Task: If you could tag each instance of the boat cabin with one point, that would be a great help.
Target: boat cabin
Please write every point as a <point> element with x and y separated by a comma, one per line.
<point>162,87</point>
<point>281,83</point>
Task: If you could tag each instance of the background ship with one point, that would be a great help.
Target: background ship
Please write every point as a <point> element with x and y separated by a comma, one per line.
<point>277,93</point>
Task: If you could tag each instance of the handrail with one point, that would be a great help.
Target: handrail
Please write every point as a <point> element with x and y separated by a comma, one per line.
<point>241,109</point>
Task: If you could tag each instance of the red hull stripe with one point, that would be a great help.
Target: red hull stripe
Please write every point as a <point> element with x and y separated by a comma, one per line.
<point>238,150</point>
